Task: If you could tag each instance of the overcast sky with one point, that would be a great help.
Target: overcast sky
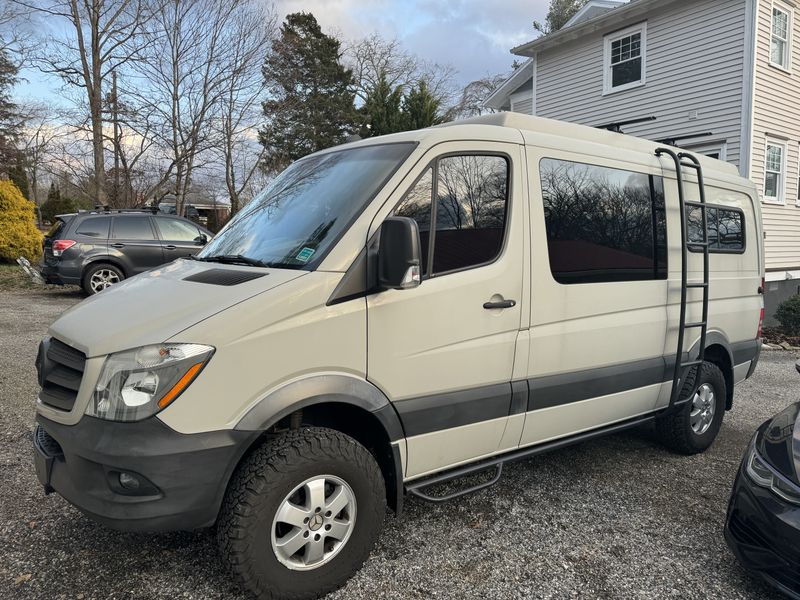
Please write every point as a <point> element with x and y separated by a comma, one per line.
<point>474,36</point>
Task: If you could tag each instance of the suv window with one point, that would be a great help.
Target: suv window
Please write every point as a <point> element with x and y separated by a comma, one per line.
<point>133,228</point>
<point>176,230</point>
<point>603,224</point>
<point>469,219</point>
<point>94,227</point>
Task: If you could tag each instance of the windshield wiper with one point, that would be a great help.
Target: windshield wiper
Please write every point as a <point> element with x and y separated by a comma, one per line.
<point>233,259</point>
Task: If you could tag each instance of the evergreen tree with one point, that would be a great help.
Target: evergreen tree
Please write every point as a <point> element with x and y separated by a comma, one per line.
<point>310,102</point>
<point>56,204</point>
<point>558,14</point>
<point>382,109</point>
<point>421,108</point>
<point>10,122</point>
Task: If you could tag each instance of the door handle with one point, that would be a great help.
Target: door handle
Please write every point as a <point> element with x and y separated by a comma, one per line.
<point>170,247</point>
<point>500,304</point>
<point>118,245</point>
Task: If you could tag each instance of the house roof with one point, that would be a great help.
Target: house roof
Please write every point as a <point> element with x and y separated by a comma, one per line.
<point>592,9</point>
<point>602,22</point>
<point>505,89</point>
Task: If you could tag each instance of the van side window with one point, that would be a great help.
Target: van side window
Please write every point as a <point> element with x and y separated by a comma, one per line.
<point>725,228</point>
<point>417,205</point>
<point>471,194</point>
<point>469,215</point>
<point>603,224</point>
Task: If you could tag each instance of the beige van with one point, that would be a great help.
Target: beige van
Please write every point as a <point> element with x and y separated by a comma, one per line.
<point>395,313</point>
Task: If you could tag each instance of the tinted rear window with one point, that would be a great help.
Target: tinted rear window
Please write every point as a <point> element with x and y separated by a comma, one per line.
<point>94,227</point>
<point>133,228</point>
<point>56,229</point>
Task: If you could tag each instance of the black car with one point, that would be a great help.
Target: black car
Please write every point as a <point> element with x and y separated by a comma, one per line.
<point>763,523</point>
<point>100,248</point>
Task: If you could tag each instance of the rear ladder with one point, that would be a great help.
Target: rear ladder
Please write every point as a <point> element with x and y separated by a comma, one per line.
<point>683,364</point>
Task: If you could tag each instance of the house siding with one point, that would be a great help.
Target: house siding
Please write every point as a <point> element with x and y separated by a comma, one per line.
<point>775,114</point>
<point>698,44</point>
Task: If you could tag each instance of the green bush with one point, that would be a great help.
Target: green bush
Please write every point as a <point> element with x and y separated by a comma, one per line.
<point>18,233</point>
<point>788,314</point>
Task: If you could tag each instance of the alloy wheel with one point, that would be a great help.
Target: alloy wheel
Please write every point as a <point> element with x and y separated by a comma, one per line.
<point>704,404</point>
<point>102,279</point>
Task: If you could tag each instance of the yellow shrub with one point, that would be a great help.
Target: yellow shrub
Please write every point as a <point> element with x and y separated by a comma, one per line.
<point>18,233</point>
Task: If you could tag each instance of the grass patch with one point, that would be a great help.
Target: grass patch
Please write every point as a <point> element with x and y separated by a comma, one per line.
<point>12,277</point>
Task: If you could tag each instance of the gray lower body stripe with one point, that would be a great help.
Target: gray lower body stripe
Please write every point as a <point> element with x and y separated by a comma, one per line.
<point>555,390</point>
<point>454,409</point>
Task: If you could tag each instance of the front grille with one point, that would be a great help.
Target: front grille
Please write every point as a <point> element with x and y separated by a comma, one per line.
<point>47,442</point>
<point>60,370</point>
<point>749,533</point>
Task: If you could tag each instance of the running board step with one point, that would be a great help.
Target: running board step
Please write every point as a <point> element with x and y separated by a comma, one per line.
<point>417,488</point>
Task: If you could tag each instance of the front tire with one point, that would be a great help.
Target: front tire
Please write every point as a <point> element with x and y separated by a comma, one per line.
<point>100,277</point>
<point>695,425</point>
<point>301,514</point>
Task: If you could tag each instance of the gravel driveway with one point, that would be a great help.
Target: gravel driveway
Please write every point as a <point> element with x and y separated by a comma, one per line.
<point>615,518</point>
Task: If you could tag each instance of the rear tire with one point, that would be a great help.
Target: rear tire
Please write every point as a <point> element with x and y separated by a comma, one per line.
<point>99,277</point>
<point>260,513</point>
<point>694,426</point>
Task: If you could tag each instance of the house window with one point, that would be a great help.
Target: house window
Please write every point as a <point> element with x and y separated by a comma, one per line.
<point>775,172</point>
<point>625,59</point>
<point>780,50</point>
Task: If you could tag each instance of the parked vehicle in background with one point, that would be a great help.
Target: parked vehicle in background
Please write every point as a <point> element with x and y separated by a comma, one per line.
<point>395,313</point>
<point>168,208</point>
<point>763,524</point>
<point>98,249</point>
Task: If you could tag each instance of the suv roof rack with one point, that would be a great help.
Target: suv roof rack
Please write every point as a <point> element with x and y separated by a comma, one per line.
<point>97,210</point>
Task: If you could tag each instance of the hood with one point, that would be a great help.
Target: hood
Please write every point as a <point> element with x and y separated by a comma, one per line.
<point>778,442</point>
<point>157,305</point>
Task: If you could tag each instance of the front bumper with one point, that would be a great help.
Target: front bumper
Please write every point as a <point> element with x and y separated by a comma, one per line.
<point>182,477</point>
<point>763,531</point>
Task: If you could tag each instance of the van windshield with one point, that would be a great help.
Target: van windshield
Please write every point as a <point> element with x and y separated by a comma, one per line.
<point>302,213</point>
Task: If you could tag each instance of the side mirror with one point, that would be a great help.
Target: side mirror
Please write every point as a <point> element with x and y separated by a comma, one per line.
<point>201,239</point>
<point>399,254</point>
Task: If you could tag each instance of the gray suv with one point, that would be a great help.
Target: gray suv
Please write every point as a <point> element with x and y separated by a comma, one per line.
<point>98,249</point>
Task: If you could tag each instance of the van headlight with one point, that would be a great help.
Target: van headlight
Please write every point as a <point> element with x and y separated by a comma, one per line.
<point>138,383</point>
<point>763,476</point>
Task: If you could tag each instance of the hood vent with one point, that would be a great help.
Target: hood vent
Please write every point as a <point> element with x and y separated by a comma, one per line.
<point>224,276</point>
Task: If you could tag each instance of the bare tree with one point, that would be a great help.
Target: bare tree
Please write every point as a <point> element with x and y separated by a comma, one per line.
<point>185,71</point>
<point>471,100</point>
<point>251,29</point>
<point>35,140</point>
<point>103,38</point>
<point>373,56</point>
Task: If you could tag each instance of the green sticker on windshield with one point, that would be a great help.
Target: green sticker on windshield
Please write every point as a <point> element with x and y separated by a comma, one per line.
<point>305,254</point>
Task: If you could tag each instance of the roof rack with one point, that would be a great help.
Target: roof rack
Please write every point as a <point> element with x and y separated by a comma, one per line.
<point>673,141</point>
<point>617,127</point>
<point>105,210</point>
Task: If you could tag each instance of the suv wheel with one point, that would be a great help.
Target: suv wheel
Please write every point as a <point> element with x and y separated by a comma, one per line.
<point>99,277</point>
<point>301,514</point>
<point>694,427</point>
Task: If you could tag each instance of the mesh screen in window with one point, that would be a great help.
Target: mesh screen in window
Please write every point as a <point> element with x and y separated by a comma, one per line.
<point>603,224</point>
<point>725,228</point>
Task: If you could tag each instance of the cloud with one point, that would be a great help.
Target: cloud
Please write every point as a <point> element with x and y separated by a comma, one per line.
<point>474,36</point>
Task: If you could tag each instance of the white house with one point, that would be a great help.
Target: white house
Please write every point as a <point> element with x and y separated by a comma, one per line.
<point>719,77</point>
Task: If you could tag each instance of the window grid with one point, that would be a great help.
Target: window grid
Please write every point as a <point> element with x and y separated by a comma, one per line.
<point>624,59</point>
<point>781,34</point>
<point>774,172</point>
<point>627,48</point>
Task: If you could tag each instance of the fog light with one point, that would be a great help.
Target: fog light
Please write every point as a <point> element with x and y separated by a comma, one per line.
<point>128,481</point>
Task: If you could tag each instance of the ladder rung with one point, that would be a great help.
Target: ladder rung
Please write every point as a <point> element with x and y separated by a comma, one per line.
<point>698,324</point>
<point>691,165</point>
<point>696,285</point>
<point>692,363</point>
<point>695,204</point>
<point>698,244</point>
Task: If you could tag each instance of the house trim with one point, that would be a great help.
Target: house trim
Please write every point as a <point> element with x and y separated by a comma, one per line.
<point>748,88</point>
<point>509,86</point>
<point>610,4</point>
